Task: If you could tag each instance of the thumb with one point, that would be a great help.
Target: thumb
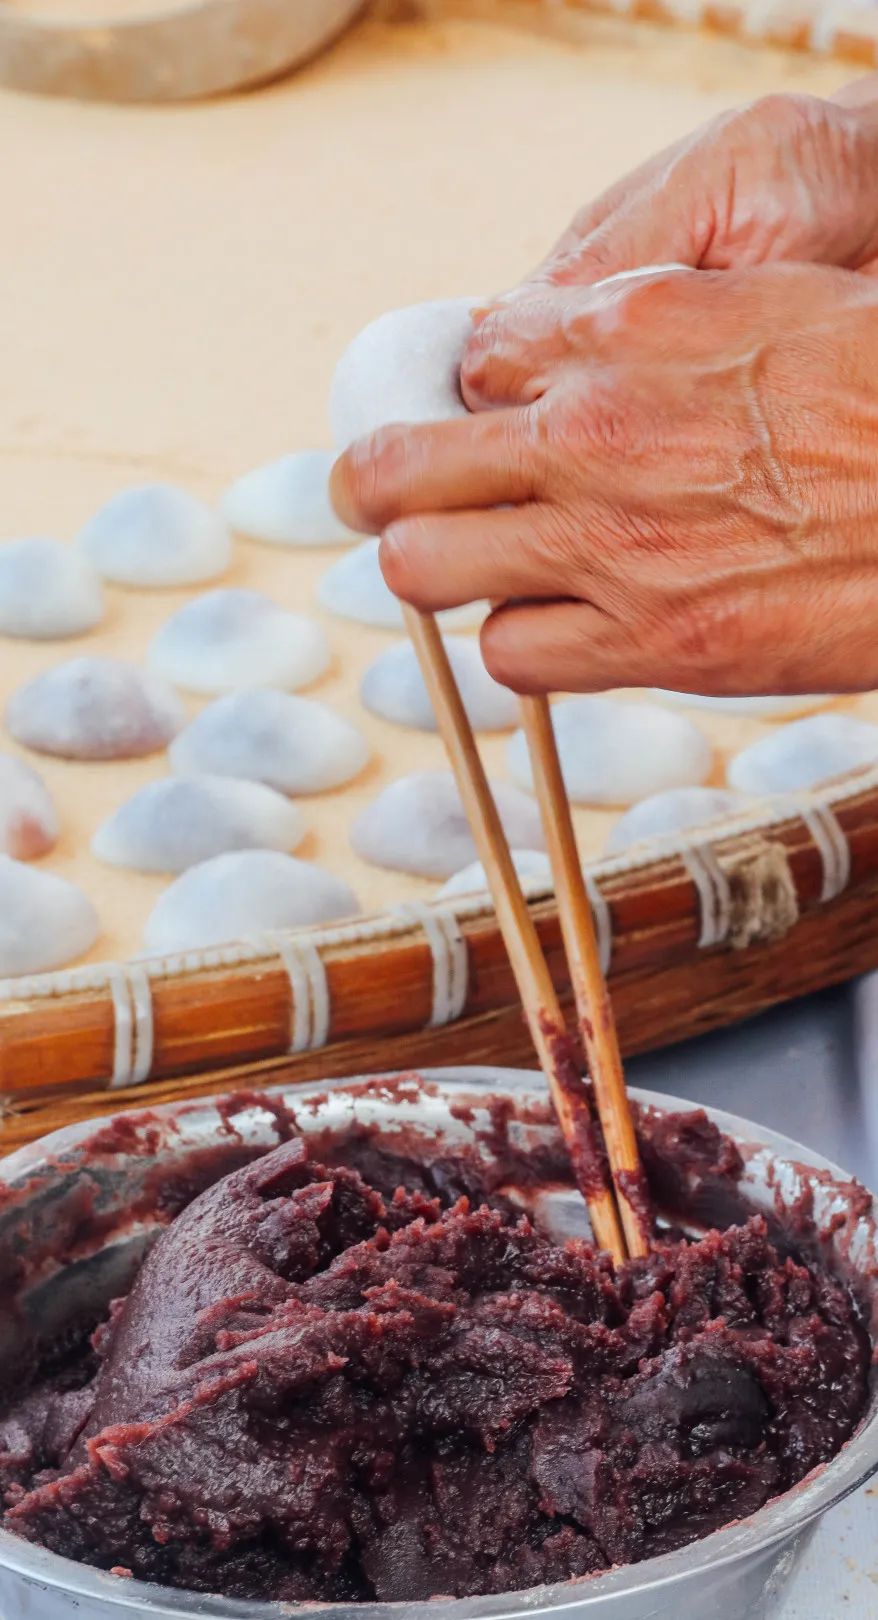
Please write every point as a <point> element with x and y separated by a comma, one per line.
<point>662,223</point>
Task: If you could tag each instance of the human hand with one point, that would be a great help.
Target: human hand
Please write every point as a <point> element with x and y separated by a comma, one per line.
<point>682,471</point>
<point>786,178</point>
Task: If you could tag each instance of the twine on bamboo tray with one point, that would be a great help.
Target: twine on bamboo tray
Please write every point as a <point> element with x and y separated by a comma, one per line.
<point>840,28</point>
<point>310,1007</point>
<point>450,959</point>
<point>743,893</point>
<point>603,921</point>
<point>134,1028</point>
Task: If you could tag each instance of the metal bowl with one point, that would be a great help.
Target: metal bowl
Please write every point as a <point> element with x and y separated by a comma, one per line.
<point>180,51</point>
<point>72,1189</point>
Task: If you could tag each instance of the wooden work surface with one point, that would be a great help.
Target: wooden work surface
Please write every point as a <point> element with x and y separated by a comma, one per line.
<point>178,283</point>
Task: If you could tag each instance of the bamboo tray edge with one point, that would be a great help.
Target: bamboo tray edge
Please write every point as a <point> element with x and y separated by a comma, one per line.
<point>698,933</point>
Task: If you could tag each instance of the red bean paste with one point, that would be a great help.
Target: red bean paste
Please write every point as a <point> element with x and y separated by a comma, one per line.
<point>323,1385</point>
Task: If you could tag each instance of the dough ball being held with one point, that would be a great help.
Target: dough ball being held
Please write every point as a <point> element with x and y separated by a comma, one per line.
<point>403,367</point>
<point>286,503</point>
<point>528,863</point>
<point>28,818</point>
<point>228,639</point>
<point>156,535</point>
<point>676,810</point>
<point>617,753</point>
<point>293,744</point>
<point>394,688</point>
<point>95,708</point>
<point>47,591</point>
<point>236,896</point>
<point>418,825</point>
<point>354,588</point>
<point>797,757</point>
<point>45,922</point>
<point>171,825</point>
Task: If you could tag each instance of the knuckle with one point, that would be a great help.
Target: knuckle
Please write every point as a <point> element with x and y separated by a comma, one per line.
<point>569,550</point>
<point>399,556</point>
<point>595,420</point>
<point>596,261</point>
<point>507,355</point>
<point>522,447</point>
<point>502,652</point>
<point>783,116</point>
<point>342,491</point>
<point>639,308</point>
<point>370,465</point>
<point>708,634</point>
<point>476,366</point>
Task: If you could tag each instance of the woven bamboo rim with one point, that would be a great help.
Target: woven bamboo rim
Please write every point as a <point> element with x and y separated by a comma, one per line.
<point>839,28</point>
<point>208,47</point>
<point>787,910</point>
<point>176,53</point>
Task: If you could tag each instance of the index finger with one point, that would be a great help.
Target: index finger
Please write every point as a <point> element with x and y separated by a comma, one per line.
<point>496,458</point>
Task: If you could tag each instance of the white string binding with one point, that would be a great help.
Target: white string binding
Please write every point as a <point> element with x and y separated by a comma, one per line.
<point>311,1008</point>
<point>459,965</point>
<point>714,892</point>
<point>603,922</point>
<point>830,839</point>
<point>450,959</point>
<point>133,1025</point>
<point>123,1029</point>
<point>144,1025</point>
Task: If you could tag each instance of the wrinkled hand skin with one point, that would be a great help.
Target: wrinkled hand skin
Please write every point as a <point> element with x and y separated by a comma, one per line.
<point>683,463</point>
<point>789,177</point>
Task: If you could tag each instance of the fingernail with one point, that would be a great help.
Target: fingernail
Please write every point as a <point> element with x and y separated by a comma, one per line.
<point>339,492</point>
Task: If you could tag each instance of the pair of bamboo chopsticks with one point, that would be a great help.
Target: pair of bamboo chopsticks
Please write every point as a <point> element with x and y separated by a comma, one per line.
<point>615,1204</point>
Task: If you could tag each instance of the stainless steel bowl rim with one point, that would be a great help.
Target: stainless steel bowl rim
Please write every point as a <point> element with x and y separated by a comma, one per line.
<point>778,1520</point>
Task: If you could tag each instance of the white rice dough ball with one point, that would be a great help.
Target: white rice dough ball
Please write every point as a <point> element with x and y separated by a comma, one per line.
<point>403,367</point>
<point>228,639</point>
<point>617,753</point>
<point>156,536</point>
<point>418,825</point>
<point>755,708</point>
<point>235,896</point>
<point>28,818</point>
<point>354,588</point>
<point>47,591</point>
<point>45,922</point>
<point>95,708</point>
<point>528,863</point>
<point>286,503</point>
<point>176,823</point>
<point>676,810</point>
<point>797,757</point>
<point>394,688</point>
<point>293,744</point>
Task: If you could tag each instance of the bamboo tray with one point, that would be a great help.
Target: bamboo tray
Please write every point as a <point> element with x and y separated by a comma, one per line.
<point>841,28</point>
<point>695,937</point>
<point>695,933</point>
<point>196,48</point>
